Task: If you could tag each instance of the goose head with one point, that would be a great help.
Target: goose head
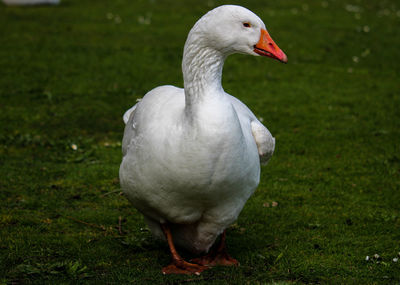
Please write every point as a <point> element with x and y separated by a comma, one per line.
<point>235,29</point>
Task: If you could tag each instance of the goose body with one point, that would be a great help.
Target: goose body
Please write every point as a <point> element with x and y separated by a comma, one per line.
<point>191,156</point>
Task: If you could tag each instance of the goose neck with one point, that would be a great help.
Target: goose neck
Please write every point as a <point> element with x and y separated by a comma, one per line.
<point>202,72</point>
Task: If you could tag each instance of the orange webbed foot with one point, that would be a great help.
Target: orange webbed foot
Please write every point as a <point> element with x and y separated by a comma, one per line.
<point>178,264</point>
<point>217,256</point>
<point>183,267</point>
<point>213,260</point>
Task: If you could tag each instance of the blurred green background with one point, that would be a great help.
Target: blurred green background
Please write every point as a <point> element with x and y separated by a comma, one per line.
<point>328,198</point>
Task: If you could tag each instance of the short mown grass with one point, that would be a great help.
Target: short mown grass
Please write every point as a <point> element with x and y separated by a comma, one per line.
<point>329,197</point>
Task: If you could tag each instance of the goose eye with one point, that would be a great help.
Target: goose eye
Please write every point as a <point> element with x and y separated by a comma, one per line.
<point>247,25</point>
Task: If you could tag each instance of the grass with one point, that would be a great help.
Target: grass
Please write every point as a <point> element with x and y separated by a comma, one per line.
<point>69,72</point>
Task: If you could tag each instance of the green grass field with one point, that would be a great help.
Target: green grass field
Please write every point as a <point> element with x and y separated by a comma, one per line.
<point>69,72</point>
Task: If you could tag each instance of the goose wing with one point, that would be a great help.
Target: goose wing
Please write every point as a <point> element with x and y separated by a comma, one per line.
<point>264,140</point>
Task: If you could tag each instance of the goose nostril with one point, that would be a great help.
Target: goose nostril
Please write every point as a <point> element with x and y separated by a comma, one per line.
<point>272,46</point>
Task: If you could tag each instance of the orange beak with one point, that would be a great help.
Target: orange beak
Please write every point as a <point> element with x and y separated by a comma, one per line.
<point>267,47</point>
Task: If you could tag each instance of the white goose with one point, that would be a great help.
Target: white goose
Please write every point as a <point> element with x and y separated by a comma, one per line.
<point>191,156</point>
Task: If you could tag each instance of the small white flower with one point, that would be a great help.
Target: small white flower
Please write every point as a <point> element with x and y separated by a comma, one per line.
<point>355,59</point>
<point>366,29</point>
<point>74,146</point>
<point>367,258</point>
<point>376,256</point>
<point>395,259</point>
<point>261,119</point>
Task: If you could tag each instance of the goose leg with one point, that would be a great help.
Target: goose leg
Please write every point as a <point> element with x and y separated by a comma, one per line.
<point>217,256</point>
<point>178,264</point>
